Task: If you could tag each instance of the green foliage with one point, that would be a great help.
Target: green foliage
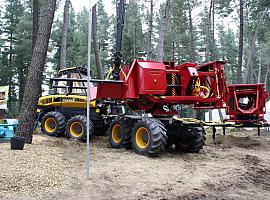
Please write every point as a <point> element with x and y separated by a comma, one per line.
<point>134,43</point>
<point>227,50</point>
<point>177,42</point>
<point>16,27</point>
<point>16,50</point>
<point>77,45</point>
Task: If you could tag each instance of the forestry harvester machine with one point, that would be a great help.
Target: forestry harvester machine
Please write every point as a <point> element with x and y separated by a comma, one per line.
<point>140,105</point>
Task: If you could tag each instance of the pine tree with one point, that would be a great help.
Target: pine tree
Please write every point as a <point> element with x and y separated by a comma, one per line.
<point>133,46</point>
<point>63,53</point>
<point>227,50</point>
<point>241,43</point>
<point>103,24</point>
<point>100,71</point>
<point>13,13</point>
<point>163,30</point>
<point>35,75</point>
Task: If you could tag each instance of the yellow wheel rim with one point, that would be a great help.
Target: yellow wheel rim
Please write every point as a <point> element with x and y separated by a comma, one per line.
<point>76,129</point>
<point>116,133</point>
<point>50,125</point>
<point>142,137</point>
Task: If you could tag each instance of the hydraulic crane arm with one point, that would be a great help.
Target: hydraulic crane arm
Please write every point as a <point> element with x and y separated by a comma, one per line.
<point>117,59</point>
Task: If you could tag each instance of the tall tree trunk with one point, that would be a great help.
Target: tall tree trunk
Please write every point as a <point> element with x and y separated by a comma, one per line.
<point>21,81</point>
<point>251,49</point>
<point>150,31</point>
<point>213,49</point>
<point>35,74</point>
<point>10,68</point>
<point>193,53</point>
<point>63,53</point>
<point>208,32</point>
<point>35,27</point>
<point>135,40</point>
<point>207,54</point>
<point>36,9</point>
<point>259,74</point>
<point>266,76</point>
<point>241,43</point>
<point>260,65</point>
<point>100,69</point>
<point>191,32</point>
<point>162,32</point>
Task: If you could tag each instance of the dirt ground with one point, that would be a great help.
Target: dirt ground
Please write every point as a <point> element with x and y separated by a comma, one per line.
<point>236,167</point>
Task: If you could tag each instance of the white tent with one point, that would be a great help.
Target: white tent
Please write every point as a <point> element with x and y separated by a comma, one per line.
<point>267,115</point>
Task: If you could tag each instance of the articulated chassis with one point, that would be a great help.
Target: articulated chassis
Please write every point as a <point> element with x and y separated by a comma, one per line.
<point>152,87</point>
<point>151,135</point>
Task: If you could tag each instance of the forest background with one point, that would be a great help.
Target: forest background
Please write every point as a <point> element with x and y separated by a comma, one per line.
<point>197,31</point>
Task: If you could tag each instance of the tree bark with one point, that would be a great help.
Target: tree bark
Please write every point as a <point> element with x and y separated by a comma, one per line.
<point>35,74</point>
<point>35,26</point>
<point>208,33</point>
<point>135,40</point>
<point>213,32</point>
<point>266,76</point>
<point>193,52</point>
<point>100,70</point>
<point>162,32</point>
<point>260,65</point>
<point>194,113</point>
<point>150,31</point>
<point>259,74</point>
<point>36,10</point>
<point>21,81</point>
<point>10,67</point>
<point>207,54</point>
<point>248,67</point>
<point>63,53</point>
<point>241,43</point>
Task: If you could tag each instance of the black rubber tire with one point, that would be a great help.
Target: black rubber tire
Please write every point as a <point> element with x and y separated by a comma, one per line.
<point>59,122</point>
<point>192,141</point>
<point>157,138</point>
<point>128,124</point>
<point>82,121</point>
<point>124,136</point>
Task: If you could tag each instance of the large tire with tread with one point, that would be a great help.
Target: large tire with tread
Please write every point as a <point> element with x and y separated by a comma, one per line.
<point>192,141</point>
<point>149,137</point>
<point>77,127</point>
<point>127,129</point>
<point>119,133</point>
<point>53,124</point>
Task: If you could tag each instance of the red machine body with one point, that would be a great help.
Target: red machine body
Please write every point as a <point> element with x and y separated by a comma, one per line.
<point>246,103</point>
<point>150,85</point>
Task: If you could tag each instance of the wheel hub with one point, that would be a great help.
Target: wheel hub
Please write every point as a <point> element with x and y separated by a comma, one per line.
<point>50,125</point>
<point>116,133</point>
<point>142,137</point>
<point>76,129</point>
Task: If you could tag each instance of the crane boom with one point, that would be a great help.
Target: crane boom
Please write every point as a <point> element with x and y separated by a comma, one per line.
<point>120,25</point>
<point>117,57</point>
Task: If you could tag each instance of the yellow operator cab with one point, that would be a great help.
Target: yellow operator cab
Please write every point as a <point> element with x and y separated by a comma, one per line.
<point>63,111</point>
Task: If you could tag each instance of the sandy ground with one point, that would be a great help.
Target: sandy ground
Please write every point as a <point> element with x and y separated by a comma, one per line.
<point>236,167</point>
